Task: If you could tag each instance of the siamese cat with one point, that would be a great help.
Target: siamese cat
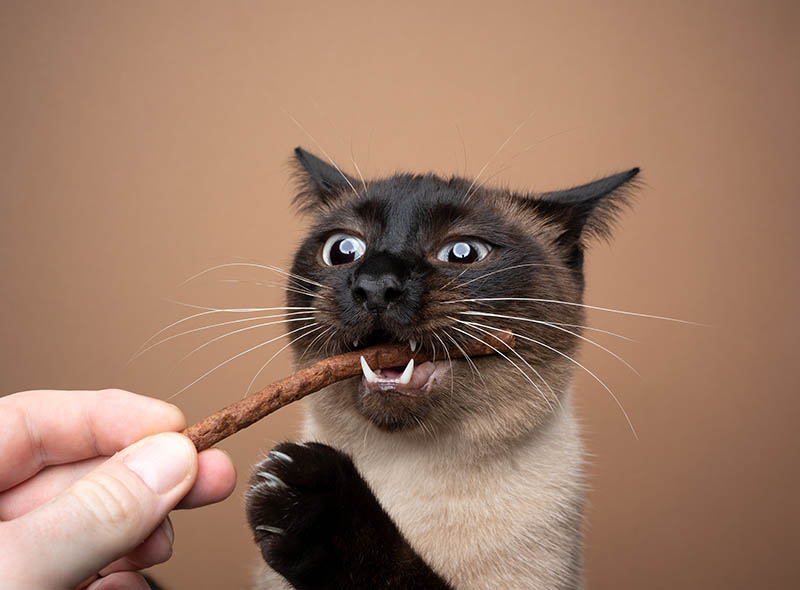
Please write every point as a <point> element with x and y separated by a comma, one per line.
<point>461,473</point>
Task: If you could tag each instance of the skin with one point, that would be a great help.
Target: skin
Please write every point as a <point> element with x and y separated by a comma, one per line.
<point>85,487</point>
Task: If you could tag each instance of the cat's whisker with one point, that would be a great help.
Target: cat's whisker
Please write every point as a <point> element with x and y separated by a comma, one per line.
<point>509,163</point>
<point>201,328</point>
<point>322,149</point>
<point>338,134</point>
<point>236,356</point>
<point>292,289</point>
<point>555,327</point>
<point>208,311</point>
<point>449,360</point>
<point>320,335</point>
<point>455,278</point>
<point>519,356</point>
<point>364,442</point>
<point>327,342</point>
<point>537,300</point>
<point>239,331</point>
<point>284,347</point>
<point>425,429</point>
<point>596,378</point>
<point>513,364</point>
<point>494,155</point>
<point>463,147</point>
<point>593,329</point>
<point>508,268</point>
<point>473,367</point>
<point>239,309</point>
<point>254,265</point>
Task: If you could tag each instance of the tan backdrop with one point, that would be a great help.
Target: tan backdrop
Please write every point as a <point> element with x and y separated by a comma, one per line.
<point>144,142</point>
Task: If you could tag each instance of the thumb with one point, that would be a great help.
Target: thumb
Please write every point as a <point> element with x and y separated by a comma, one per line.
<point>104,515</point>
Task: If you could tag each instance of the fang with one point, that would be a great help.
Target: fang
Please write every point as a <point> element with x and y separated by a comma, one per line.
<point>405,378</point>
<point>369,375</point>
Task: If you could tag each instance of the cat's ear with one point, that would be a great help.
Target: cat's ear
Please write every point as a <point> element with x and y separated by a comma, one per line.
<point>319,182</point>
<point>586,211</point>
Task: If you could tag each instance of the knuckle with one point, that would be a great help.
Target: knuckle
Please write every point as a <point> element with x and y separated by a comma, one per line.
<point>107,499</point>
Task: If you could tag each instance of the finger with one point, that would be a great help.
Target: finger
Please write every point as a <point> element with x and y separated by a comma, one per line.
<point>102,516</point>
<point>216,479</point>
<point>121,581</point>
<point>157,548</point>
<point>46,484</point>
<point>39,428</point>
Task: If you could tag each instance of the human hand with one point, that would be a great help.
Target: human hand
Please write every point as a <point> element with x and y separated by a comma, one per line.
<point>83,499</point>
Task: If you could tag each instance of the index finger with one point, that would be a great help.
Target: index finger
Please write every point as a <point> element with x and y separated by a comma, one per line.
<point>40,428</point>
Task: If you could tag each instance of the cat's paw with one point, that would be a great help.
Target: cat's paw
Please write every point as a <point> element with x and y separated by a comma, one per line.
<point>319,525</point>
<point>300,507</point>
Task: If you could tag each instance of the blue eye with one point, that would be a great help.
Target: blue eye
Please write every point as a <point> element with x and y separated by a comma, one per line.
<point>342,248</point>
<point>463,252</point>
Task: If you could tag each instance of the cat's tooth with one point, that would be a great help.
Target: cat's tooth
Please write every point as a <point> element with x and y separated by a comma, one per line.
<point>355,343</point>
<point>405,378</point>
<point>369,375</point>
<point>412,344</point>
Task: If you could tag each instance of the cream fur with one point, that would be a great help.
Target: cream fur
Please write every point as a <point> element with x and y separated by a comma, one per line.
<point>502,517</point>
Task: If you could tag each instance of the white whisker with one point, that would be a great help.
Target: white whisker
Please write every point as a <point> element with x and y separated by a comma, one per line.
<point>322,149</point>
<point>209,310</point>
<point>494,155</point>
<point>513,364</point>
<point>449,360</point>
<point>600,381</point>
<point>184,333</point>
<point>284,347</point>
<point>510,161</point>
<point>236,356</point>
<point>338,134</point>
<point>555,327</point>
<point>507,268</point>
<point>631,313</point>
<point>293,289</point>
<point>236,309</point>
<point>254,265</point>
<point>467,358</point>
<point>320,335</point>
<point>227,334</point>
<point>518,355</point>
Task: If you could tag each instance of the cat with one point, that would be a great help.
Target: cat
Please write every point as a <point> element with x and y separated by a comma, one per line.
<point>455,474</point>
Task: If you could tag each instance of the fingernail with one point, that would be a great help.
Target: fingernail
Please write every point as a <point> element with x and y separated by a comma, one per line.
<point>168,530</point>
<point>163,461</point>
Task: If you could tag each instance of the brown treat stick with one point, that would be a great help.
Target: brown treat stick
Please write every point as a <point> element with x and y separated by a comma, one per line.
<point>255,406</point>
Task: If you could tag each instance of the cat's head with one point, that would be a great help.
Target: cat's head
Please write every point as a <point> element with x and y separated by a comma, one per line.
<point>435,263</point>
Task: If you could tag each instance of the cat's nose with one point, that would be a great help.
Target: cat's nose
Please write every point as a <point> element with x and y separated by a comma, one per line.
<point>377,293</point>
<point>379,283</point>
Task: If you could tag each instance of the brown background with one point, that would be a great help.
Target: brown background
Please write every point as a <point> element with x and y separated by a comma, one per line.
<point>144,142</point>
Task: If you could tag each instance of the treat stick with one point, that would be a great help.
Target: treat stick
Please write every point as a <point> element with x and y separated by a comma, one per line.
<point>252,408</point>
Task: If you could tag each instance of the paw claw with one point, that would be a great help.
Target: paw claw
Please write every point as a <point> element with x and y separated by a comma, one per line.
<point>281,456</point>
<point>270,529</point>
<point>271,480</point>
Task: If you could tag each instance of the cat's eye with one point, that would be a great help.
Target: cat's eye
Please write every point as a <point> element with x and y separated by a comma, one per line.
<point>463,252</point>
<point>342,248</point>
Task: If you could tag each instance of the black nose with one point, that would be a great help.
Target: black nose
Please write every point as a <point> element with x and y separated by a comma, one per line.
<point>380,282</point>
<point>376,293</point>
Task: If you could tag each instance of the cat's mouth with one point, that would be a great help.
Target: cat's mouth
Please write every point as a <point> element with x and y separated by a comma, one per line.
<point>409,380</point>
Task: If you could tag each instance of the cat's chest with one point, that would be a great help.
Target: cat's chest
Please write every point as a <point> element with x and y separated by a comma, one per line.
<point>488,523</point>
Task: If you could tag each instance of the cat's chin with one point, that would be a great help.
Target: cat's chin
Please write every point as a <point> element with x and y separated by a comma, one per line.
<point>393,402</point>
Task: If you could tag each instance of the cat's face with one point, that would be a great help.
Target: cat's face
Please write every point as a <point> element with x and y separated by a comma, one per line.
<point>435,263</point>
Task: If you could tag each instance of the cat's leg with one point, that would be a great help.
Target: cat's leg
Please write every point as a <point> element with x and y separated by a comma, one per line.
<point>319,525</point>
